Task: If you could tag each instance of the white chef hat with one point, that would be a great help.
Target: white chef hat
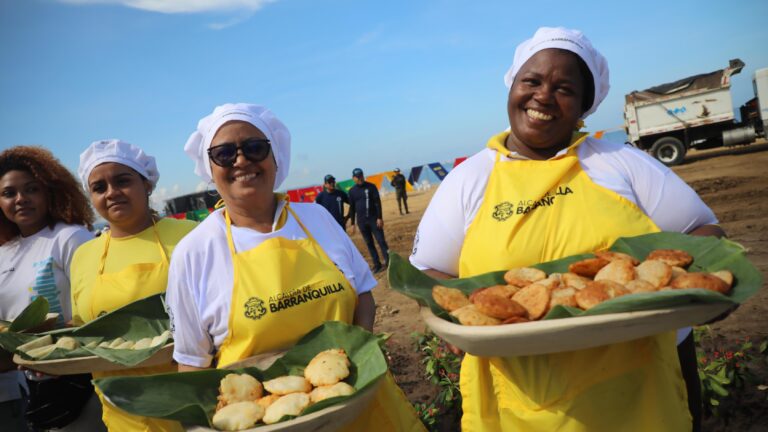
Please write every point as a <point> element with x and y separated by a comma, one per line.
<point>260,117</point>
<point>115,150</point>
<point>570,40</point>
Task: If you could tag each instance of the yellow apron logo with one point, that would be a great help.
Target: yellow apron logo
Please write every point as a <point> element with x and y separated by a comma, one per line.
<point>503,211</point>
<point>254,308</point>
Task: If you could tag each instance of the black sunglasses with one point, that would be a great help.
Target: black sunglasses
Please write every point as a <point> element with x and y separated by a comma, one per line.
<point>225,155</point>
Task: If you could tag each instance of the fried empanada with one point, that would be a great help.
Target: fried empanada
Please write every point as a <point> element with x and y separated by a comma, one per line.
<point>469,315</point>
<point>143,343</point>
<point>726,276</point>
<point>524,276</point>
<point>327,368</point>
<point>640,286</point>
<point>613,289</point>
<point>563,296</point>
<point>238,388</point>
<point>41,352</point>
<point>326,392</point>
<point>288,384</point>
<point>655,272</point>
<point>503,290</point>
<point>238,416</point>
<point>291,404</point>
<point>551,282</point>
<point>515,320</point>
<point>116,342</point>
<point>36,343</point>
<point>535,299</point>
<point>591,296</point>
<point>449,299</point>
<point>613,256</point>
<point>620,271</point>
<point>671,257</point>
<point>588,267</point>
<point>574,281</point>
<point>701,280</point>
<point>492,303</point>
<point>125,345</point>
<point>268,400</point>
<point>161,339</point>
<point>677,271</point>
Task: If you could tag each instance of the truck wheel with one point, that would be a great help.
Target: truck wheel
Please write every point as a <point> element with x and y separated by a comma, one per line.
<point>669,151</point>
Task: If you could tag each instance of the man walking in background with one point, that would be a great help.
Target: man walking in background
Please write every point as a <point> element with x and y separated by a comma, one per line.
<point>333,200</point>
<point>398,182</point>
<point>365,208</point>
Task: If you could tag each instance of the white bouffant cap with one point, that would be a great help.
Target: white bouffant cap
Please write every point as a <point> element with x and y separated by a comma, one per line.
<point>115,150</point>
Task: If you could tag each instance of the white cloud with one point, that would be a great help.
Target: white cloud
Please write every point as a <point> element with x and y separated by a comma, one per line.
<point>202,186</point>
<point>182,6</point>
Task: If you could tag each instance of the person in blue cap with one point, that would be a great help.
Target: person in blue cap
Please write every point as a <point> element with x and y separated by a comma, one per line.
<point>365,208</point>
<point>333,200</point>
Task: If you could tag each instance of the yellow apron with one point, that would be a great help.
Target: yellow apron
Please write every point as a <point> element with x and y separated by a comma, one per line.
<point>270,312</point>
<point>537,211</point>
<point>112,291</point>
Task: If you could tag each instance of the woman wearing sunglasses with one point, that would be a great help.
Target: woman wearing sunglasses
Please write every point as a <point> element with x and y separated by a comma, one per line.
<point>130,261</point>
<point>226,275</point>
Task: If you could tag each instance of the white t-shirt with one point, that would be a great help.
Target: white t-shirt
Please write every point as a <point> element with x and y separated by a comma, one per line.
<point>200,279</point>
<point>34,266</point>
<point>631,173</point>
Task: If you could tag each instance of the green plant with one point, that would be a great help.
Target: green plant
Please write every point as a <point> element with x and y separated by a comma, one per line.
<point>725,372</point>
<point>441,367</point>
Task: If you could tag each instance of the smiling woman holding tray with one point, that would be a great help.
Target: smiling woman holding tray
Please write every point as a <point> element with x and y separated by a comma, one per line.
<point>130,261</point>
<point>259,274</point>
<point>543,191</point>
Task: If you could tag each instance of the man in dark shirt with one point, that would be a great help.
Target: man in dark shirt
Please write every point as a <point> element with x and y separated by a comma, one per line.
<point>333,200</point>
<point>398,182</point>
<point>365,208</point>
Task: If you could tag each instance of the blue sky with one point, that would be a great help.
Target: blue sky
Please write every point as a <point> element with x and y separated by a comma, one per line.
<point>374,84</point>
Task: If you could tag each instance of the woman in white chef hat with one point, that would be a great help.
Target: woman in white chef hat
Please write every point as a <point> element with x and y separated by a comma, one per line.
<point>260,246</point>
<point>130,261</point>
<point>596,191</point>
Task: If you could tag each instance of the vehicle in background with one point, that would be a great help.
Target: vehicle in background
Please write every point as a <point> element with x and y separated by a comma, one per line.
<point>695,112</point>
<point>194,206</point>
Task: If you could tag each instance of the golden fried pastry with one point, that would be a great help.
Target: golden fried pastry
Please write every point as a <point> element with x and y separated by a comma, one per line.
<point>620,271</point>
<point>327,368</point>
<point>493,304</point>
<point>116,342</point>
<point>503,290</point>
<point>677,271</point>
<point>143,343</point>
<point>591,296</point>
<point>92,344</point>
<point>640,286</point>
<point>326,392</point>
<point>41,352</point>
<point>701,280</point>
<point>613,256</point>
<point>552,281</point>
<point>613,289</point>
<point>469,315</point>
<point>288,384</point>
<point>67,343</point>
<point>671,257</point>
<point>291,404</point>
<point>238,416</point>
<point>449,299</point>
<point>515,320</point>
<point>588,267</point>
<point>563,296</point>
<point>3,328</point>
<point>238,388</point>
<point>36,343</point>
<point>524,276</point>
<point>726,276</point>
<point>125,345</point>
<point>655,272</point>
<point>161,339</point>
<point>268,400</point>
<point>574,281</point>
<point>535,299</point>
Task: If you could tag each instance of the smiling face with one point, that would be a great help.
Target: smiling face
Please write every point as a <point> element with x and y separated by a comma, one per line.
<point>24,201</point>
<point>119,194</point>
<point>545,104</point>
<point>245,182</point>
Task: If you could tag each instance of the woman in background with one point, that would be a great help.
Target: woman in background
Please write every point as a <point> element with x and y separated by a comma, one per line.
<point>128,262</point>
<point>44,218</point>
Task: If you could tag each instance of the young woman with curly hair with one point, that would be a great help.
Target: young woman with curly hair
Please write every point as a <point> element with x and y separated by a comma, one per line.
<point>43,221</point>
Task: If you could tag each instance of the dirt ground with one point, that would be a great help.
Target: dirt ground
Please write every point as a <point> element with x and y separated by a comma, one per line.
<point>733,182</point>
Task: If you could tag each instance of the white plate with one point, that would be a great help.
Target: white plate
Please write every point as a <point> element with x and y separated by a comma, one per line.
<point>81,365</point>
<point>568,334</point>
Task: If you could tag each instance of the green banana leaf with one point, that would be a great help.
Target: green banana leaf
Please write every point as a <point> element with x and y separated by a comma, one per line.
<point>32,316</point>
<point>134,321</point>
<point>191,397</point>
<point>709,254</point>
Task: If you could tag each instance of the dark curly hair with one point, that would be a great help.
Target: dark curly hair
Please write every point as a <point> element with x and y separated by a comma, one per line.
<point>66,200</point>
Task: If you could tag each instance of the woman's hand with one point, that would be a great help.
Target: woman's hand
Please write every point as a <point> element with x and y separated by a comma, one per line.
<point>365,312</point>
<point>187,368</point>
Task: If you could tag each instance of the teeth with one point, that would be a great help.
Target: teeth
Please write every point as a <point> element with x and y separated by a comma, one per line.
<point>245,177</point>
<point>538,115</point>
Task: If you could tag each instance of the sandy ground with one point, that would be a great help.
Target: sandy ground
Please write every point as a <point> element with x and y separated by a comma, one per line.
<point>734,182</point>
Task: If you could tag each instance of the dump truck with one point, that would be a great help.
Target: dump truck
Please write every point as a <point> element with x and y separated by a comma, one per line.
<point>695,112</point>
